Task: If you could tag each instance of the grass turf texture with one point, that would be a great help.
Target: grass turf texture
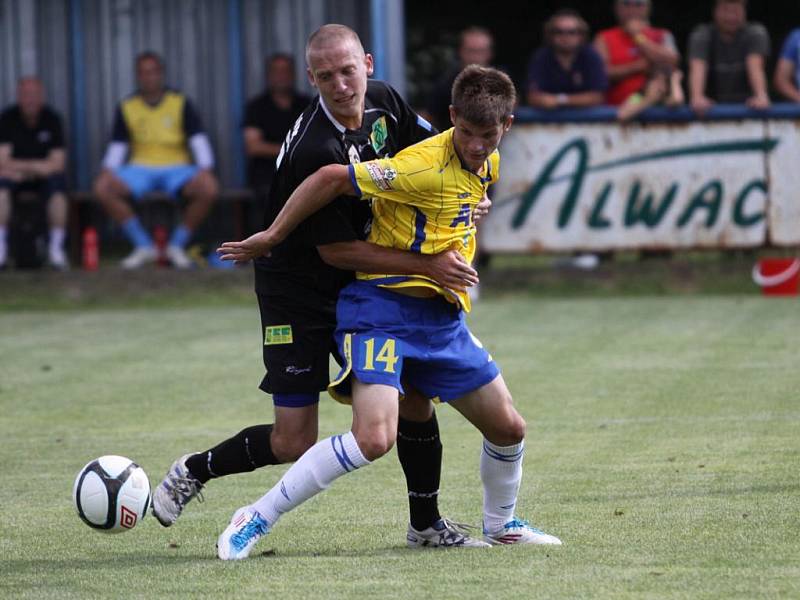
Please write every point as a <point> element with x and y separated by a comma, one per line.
<point>663,444</point>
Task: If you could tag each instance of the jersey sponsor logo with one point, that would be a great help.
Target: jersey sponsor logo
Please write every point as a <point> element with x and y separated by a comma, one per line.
<point>379,134</point>
<point>379,176</point>
<point>43,136</point>
<point>277,334</point>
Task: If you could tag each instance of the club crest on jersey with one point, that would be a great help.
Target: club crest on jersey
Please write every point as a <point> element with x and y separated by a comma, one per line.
<point>379,134</point>
<point>277,334</point>
<point>382,178</point>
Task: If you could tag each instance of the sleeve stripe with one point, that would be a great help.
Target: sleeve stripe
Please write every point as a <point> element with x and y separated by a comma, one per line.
<point>351,169</point>
<point>424,124</point>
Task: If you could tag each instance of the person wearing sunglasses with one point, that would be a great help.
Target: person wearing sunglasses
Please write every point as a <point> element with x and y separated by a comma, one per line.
<point>566,71</point>
<point>641,60</point>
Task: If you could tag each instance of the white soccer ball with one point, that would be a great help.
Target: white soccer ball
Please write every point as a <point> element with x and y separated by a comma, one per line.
<point>112,494</point>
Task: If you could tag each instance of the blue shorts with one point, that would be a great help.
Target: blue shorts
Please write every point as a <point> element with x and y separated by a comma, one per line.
<point>142,179</point>
<point>386,337</point>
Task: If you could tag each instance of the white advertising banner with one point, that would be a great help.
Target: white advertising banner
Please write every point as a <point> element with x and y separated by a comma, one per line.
<point>577,186</point>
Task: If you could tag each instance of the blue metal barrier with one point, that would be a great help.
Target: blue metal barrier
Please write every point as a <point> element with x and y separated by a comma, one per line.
<point>659,114</point>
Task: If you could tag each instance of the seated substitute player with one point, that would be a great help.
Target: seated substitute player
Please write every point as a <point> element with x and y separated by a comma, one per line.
<point>393,328</point>
<point>353,119</point>
<point>159,126</point>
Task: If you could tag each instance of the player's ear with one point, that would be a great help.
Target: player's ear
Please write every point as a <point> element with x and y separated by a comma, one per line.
<point>310,76</point>
<point>508,122</point>
<point>452,110</point>
<point>369,63</point>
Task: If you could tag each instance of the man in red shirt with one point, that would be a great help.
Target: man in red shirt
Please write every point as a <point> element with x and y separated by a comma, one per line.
<point>640,59</point>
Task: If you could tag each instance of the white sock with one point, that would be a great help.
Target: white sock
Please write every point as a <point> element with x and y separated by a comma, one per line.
<point>320,466</point>
<point>57,235</point>
<point>501,474</point>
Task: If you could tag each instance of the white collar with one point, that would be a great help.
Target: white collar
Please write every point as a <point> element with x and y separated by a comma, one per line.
<point>341,128</point>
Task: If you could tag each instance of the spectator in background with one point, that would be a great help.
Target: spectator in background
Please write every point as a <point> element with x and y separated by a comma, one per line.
<point>726,59</point>
<point>32,158</point>
<point>566,71</point>
<point>162,131</point>
<point>641,60</point>
<point>787,71</point>
<point>476,47</point>
<point>267,119</point>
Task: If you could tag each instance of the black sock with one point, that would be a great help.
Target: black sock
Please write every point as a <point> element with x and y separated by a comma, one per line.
<point>246,451</point>
<point>420,453</point>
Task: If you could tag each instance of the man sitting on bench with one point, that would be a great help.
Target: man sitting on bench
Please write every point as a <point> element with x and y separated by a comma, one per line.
<point>163,132</point>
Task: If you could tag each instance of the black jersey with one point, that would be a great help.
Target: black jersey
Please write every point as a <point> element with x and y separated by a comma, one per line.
<point>295,270</point>
<point>31,142</point>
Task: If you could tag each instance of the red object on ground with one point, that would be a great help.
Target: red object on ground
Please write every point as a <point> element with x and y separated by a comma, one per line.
<point>778,276</point>
<point>160,238</point>
<point>90,249</point>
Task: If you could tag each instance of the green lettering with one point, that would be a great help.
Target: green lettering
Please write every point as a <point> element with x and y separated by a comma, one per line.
<point>739,217</point>
<point>643,209</point>
<point>545,178</point>
<point>597,220</point>
<point>709,197</point>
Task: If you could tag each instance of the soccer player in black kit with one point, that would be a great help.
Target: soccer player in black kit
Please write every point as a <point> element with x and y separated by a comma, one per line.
<point>352,120</point>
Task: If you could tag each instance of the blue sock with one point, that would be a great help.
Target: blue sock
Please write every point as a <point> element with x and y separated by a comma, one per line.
<point>135,232</point>
<point>180,237</point>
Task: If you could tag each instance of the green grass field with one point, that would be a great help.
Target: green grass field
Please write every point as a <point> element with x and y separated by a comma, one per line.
<point>663,448</point>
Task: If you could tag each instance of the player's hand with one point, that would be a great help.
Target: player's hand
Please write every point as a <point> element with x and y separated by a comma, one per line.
<point>758,102</point>
<point>258,244</point>
<point>481,209</point>
<point>451,270</point>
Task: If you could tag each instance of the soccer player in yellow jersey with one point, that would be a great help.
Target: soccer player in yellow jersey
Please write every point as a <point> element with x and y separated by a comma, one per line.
<point>167,150</point>
<point>393,327</point>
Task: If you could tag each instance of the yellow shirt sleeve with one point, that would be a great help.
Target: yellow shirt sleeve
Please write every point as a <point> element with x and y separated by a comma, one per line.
<point>408,178</point>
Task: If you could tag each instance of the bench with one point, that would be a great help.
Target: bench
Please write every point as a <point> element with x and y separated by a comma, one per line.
<point>84,211</point>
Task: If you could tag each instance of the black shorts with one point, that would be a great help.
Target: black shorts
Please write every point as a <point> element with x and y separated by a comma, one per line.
<point>297,342</point>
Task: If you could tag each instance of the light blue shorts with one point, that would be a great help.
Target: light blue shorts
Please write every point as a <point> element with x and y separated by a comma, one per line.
<point>142,179</point>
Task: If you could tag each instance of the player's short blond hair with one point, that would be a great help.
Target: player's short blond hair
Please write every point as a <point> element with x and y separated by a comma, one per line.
<point>327,34</point>
<point>483,95</point>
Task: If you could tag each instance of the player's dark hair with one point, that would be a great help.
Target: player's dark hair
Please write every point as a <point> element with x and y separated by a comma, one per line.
<point>550,24</point>
<point>720,2</point>
<point>150,55</point>
<point>483,95</point>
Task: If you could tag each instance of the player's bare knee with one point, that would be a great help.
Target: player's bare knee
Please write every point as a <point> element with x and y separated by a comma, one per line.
<point>374,444</point>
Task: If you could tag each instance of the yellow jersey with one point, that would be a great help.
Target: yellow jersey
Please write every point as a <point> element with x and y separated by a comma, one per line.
<point>158,135</point>
<point>422,200</point>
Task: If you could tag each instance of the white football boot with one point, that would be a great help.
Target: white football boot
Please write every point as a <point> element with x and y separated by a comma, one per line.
<point>517,531</point>
<point>246,528</point>
<point>178,487</point>
<point>443,534</point>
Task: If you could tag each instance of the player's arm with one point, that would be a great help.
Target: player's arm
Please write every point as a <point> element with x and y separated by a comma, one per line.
<point>54,163</point>
<point>7,167</point>
<point>255,145</point>
<point>315,192</point>
<point>448,268</point>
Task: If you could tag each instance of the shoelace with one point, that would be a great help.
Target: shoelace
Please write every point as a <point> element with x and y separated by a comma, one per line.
<point>254,526</point>
<point>516,523</point>
<point>185,488</point>
<point>455,532</point>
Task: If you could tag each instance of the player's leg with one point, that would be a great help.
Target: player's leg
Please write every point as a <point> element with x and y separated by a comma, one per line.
<point>372,435</point>
<point>490,408</point>
<point>292,337</point>
<point>111,188</point>
<point>200,189</point>
<point>420,452</point>
<point>56,220</point>
<point>5,216</point>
